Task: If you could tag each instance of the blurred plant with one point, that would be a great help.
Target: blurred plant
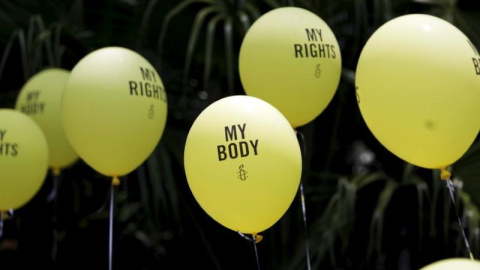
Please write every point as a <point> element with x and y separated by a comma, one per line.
<point>335,236</point>
<point>33,44</point>
<point>235,16</point>
<point>40,34</point>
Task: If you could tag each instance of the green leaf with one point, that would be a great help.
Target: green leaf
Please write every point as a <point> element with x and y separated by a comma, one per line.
<point>244,20</point>
<point>229,54</point>
<point>348,75</point>
<point>192,42</point>
<point>272,3</point>
<point>364,180</point>
<point>24,54</point>
<point>142,31</point>
<point>376,227</point>
<point>6,51</point>
<point>212,24</point>
<point>58,49</point>
<point>159,196</point>
<point>170,15</point>
<point>253,10</point>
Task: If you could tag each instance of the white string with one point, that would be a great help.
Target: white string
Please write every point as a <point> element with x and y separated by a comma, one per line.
<point>304,212</point>
<point>301,140</point>
<point>110,236</point>
<point>53,196</point>
<point>255,241</point>
<point>1,224</point>
<point>451,189</point>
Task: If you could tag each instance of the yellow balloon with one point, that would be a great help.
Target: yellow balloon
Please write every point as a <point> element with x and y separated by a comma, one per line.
<point>114,110</point>
<point>243,163</point>
<point>23,159</point>
<point>291,59</point>
<point>418,85</point>
<point>453,264</point>
<point>40,98</point>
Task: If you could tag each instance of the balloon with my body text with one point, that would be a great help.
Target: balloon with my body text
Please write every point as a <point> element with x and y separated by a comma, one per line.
<point>418,89</point>
<point>40,98</point>
<point>23,159</point>
<point>453,264</point>
<point>114,110</point>
<point>291,59</point>
<point>243,163</point>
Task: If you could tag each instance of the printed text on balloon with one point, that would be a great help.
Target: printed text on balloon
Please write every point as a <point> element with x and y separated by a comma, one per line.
<point>6,148</point>
<point>314,49</point>
<point>149,87</point>
<point>234,149</point>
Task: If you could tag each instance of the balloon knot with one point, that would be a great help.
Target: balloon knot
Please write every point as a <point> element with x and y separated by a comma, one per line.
<point>4,215</point>
<point>56,171</point>
<point>444,174</point>
<point>115,181</point>
<point>257,238</point>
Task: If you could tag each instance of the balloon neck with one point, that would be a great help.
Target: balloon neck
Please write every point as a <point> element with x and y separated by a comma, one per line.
<point>4,215</point>
<point>56,171</point>
<point>115,181</point>
<point>257,237</point>
<point>444,174</point>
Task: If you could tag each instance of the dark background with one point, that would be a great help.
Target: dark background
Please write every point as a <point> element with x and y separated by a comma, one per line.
<point>367,209</point>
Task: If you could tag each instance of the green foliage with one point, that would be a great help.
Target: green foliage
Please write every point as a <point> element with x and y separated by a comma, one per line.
<point>232,15</point>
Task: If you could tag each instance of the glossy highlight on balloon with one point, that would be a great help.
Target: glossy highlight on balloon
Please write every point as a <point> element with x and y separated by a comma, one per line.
<point>243,163</point>
<point>291,58</point>
<point>418,90</point>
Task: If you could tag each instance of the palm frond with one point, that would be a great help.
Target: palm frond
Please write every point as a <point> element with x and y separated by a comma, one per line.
<point>192,42</point>
<point>6,51</point>
<point>377,223</point>
<point>229,55</point>
<point>212,24</point>
<point>166,21</point>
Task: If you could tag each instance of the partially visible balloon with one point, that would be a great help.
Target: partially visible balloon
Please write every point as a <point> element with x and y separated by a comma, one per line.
<point>40,98</point>
<point>454,264</point>
<point>418,89</point>
<point>243,163</point>
<point>114,110</point>
<point>23,159</point>
<point>291,59</point>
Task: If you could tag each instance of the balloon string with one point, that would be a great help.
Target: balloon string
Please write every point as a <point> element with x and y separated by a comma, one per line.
<point>304,210</point>
<point>1,223</point>
<point>53,192</point>
<point>4,215</point>
<point>110,236</point>
<point>115,182</point>
<point>445,175</point>
<point>301,140</point>
<point>53,196</point>
<point>256,254</point>
<point>255,239</point>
